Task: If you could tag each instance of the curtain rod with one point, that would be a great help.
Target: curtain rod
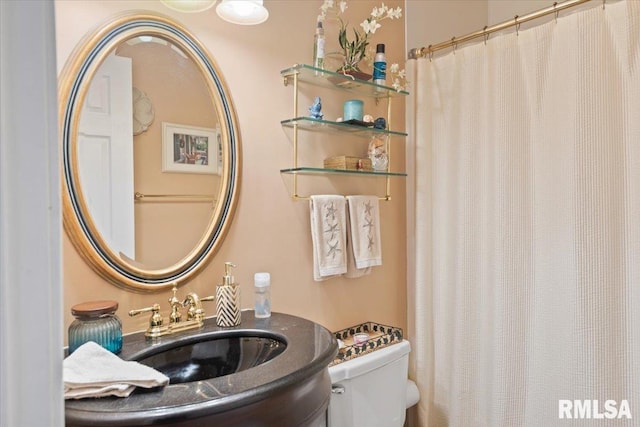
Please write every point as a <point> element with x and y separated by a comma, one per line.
<point>516,21</point>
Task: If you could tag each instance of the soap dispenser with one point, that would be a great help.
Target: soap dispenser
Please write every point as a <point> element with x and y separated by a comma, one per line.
<point>228,300</point>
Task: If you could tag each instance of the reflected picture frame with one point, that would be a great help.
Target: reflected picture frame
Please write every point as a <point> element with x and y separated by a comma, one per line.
<point>190,149</point>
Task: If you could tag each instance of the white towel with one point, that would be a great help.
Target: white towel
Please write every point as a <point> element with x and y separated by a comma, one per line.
<point>352,271</point>
<point>364,216</point>
<point>328,235</point>
<point>92,371</point>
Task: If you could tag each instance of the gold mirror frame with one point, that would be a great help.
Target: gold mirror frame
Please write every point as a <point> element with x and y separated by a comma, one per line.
<point>73,86</point>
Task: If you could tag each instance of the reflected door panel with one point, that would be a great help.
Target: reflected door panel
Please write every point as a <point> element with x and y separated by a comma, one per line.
<point>105,151</point>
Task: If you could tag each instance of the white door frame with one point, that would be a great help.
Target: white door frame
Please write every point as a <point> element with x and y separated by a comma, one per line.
<point>31,321</point>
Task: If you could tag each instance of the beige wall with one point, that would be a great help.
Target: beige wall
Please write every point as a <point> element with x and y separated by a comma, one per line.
<point>435,21</point>
<point>500,10</point>
<point>270,232</point>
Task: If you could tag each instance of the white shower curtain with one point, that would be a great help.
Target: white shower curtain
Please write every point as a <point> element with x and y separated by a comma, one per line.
<point>524,159</point>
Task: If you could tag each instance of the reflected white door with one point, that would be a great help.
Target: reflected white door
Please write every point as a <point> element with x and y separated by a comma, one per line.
<point>105,154</point>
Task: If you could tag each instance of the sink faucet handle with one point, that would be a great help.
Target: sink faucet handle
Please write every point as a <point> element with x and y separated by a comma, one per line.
<point>200,311</point>
<point>194,303</point>
<point>195,308</point>
<point>156,318</point>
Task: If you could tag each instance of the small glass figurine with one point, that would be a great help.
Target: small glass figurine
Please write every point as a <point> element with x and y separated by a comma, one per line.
<point>378,153</point>
<point>315,110</point>
<point>380,123</point>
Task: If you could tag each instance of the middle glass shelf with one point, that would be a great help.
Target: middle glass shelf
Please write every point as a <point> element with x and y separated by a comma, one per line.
<point>318,125</point>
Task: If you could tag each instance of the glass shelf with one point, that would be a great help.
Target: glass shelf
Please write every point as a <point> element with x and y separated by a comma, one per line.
<point>325,171</point>
<point>325,78</point>
<point>317,125</point>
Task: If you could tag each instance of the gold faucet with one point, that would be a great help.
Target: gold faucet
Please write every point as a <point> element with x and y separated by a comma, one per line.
<point>195,311</point>
<point>195,315</point>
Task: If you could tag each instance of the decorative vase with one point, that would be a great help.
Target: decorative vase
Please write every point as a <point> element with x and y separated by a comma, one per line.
<point>378,153</point>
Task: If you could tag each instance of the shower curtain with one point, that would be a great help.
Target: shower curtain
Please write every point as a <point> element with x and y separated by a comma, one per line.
<point>524,158</point>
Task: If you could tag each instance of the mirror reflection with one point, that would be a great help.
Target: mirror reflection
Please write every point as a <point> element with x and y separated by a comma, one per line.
<point>150,151</point>
<point>148,154</point>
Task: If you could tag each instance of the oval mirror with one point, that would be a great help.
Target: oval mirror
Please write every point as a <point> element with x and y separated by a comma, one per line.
<point>151,152</point>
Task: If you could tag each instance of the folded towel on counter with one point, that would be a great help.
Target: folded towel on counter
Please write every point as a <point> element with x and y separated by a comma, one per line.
<point>328,236</point>
<point>92,371</point>
<point>364,216</point>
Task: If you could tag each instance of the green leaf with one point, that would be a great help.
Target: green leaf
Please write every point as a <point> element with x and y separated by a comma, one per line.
<point>342,38</point>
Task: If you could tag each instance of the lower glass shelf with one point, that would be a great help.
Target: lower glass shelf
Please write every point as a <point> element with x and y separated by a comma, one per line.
<point>324,171</point>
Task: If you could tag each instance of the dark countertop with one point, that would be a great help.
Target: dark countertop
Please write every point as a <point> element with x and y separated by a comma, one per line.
<point>310,348</point>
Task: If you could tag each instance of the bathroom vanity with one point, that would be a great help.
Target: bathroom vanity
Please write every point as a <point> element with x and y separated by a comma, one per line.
<point>265,372</point>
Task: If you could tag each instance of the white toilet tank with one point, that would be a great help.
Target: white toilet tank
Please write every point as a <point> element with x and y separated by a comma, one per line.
<point>370,390</point>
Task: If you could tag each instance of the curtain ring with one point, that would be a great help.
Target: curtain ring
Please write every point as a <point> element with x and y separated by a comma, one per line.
<point>430,53</point>
<point>557,12</point>
<point>454,44</point>
<point>603,3</point>
<point>485,34</point>
<point>517,25</point>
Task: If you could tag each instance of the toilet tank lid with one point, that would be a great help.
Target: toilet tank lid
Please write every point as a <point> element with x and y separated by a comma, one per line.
<point>363,364</point>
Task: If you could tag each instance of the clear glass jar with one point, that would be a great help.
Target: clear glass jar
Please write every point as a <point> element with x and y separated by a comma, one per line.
<point>96,321</point>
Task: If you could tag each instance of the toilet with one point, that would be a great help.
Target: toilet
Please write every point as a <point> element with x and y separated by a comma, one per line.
<point>372,390</point>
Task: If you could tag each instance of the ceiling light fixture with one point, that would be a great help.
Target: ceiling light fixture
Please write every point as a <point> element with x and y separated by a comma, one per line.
<point>242,12</point>
<point>189,6</point>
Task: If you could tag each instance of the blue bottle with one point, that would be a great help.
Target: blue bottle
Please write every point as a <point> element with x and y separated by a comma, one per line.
<point>380,65</point>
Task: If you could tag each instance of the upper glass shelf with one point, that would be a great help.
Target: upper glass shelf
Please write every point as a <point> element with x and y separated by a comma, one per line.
<point>328,171</point>
<point>317,125</point>
<point>325,78</point>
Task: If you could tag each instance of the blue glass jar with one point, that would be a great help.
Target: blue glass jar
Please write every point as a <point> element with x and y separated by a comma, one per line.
<point>96,321</point>
<point>353,110</point>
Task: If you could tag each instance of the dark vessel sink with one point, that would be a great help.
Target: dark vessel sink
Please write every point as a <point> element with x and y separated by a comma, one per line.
<point>212,357</point>
<point>264,373</point>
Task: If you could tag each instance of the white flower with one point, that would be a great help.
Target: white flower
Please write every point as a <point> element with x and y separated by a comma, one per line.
<point>398,77</point>
<point>356,49</point>
<point>326,6</point>
<point>394,13</point>
<point>378,12</point>
<point>370,27</point>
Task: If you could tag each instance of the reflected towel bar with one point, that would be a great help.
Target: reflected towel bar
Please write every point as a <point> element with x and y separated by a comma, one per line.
<point>140,197</point>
